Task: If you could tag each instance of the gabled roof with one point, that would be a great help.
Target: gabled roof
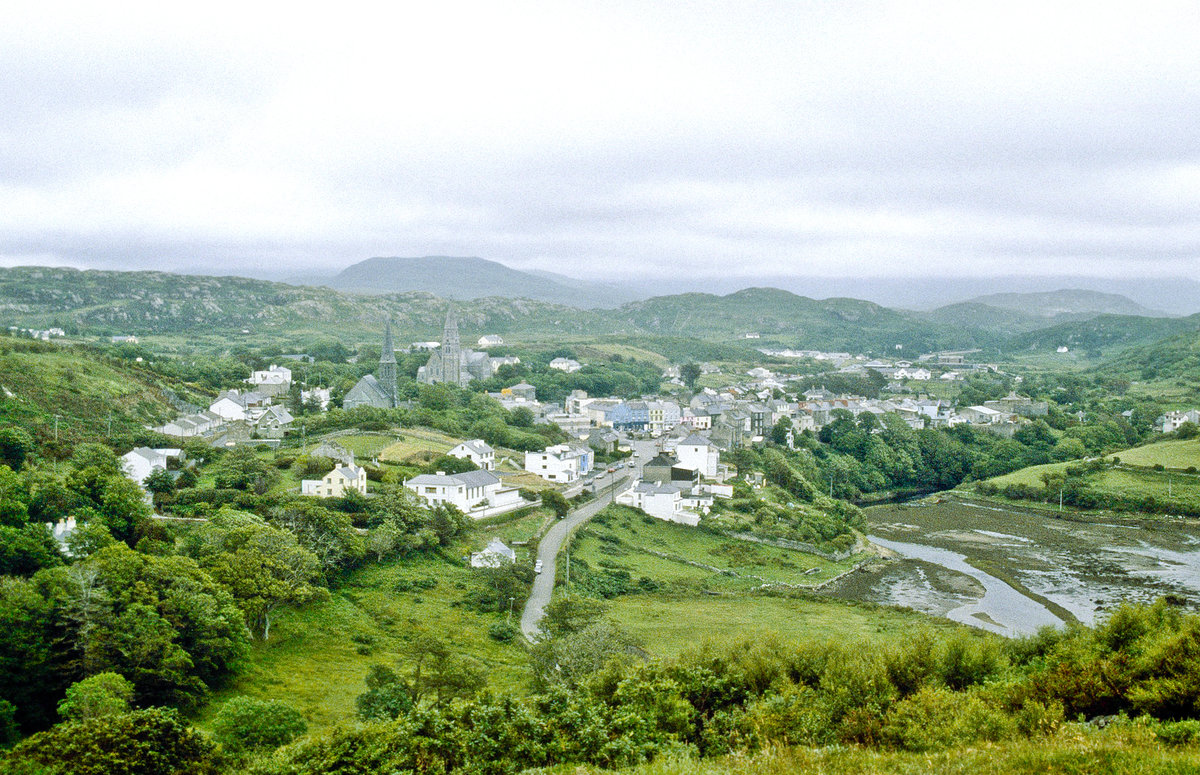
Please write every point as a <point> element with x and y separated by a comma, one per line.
<point>696,440</point>
<point>662,459</point>
<point>478,446</point>
<point>476,478</point>
<point>466,479</point>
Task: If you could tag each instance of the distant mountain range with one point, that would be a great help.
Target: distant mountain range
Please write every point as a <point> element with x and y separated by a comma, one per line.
<point>1067,301</point>
<point>451,277</point>
<point>1021,312</point>
<point>104,302</point>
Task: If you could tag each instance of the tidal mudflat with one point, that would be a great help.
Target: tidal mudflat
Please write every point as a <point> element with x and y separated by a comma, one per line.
<point>1012,571</point>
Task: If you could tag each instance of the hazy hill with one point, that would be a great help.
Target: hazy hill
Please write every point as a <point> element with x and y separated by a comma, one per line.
<point>1175,357</point>
<point>452,277</point>
<point>1066,301</point>
<point>1104,333</point>
<point>784,318</point>
<point>105,302</point>
<point>973,314</point>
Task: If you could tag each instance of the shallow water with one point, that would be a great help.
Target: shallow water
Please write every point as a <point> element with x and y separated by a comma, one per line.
<point>1001,608</point>
<point>1053,569</point>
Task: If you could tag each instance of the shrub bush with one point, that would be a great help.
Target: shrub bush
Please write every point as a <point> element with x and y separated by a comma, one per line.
<point>247,724</point>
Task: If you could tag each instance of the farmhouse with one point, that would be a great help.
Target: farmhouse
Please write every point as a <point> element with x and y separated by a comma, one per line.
<point>337,483</point>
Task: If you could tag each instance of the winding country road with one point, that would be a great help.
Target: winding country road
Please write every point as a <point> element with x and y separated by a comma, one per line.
<point>551,543</point>
<point>548,548</point>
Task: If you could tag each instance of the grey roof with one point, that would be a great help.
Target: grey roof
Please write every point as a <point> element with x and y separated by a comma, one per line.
<point>651,488</point>
<point>434,480</point>
<point>466,479</point>
<point>476,478</point>
<point>696,440</point>
<point>478,446</point>
<point>662,459</point>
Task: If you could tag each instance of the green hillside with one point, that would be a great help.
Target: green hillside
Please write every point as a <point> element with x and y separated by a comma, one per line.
<point>196,309</point>
<point>1179,455</point>
<point>1066,301</point>
<point>1152,479</point>
<point>1105,333</point>
<point>86,395</point>
<point>1174,357</point>
<point>783,317</point>
<point>102,303</point>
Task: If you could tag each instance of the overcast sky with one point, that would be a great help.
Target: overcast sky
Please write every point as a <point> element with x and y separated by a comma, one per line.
<point>606,139</point>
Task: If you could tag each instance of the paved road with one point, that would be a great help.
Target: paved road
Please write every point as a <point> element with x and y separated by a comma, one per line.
<point>551,543</point>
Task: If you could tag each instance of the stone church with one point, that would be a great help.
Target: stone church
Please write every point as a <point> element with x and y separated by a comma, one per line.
<point>378,389</point>
<point>451,363</point>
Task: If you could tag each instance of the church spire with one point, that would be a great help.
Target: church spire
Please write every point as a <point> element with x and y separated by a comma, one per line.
<point>450,332</point>
<point>389,348</point>
<point>386,373</point>
<point>451,352</point>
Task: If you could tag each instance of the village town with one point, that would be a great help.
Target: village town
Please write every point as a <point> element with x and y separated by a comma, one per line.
<point>666,448</point>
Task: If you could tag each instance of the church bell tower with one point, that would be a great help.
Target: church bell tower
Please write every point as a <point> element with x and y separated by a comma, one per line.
<point>387,365</point>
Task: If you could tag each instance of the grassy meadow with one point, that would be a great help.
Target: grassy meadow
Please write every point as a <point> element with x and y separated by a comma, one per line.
<point>623,539</point>
<point>1175,454</point>
<point>318,655</point>
<point>668,625</point>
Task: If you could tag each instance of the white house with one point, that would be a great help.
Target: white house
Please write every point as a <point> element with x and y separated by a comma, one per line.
<point>560,463</point>
<point>276,375</point>
<point>478,452</point>
<point>229,407</point>
<point>490,340</point>
<point>468,491</point>
<point>337,483</point>
<point>568,365</point>
<point>982,415</point>
<point>140,462</point>
<point>1172,420</point>
<point>494,555</point>
<point>699,454</point>
<point>664,501</point>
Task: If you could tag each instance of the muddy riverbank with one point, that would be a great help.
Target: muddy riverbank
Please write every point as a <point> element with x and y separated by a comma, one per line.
<point>1012,571</point>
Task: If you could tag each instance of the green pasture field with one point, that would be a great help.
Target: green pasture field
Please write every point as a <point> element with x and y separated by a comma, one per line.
<point>414,442</point>
<point>668,625</point>
<point>319,654</point>
<point>1167,487</point>
<point>623,539</point>
<point>1169,454</point>
<point>515,527</point>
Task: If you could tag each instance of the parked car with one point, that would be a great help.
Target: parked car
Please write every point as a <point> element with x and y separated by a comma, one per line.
<point>537,567</point>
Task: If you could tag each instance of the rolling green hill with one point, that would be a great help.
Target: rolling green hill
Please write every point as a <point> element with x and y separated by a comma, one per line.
<point>93,397</point>
<point>232,309</point>
<point>1066,301</point>
<point>1174,357</point>
<point>1105,333</point>
<point>785,318</point>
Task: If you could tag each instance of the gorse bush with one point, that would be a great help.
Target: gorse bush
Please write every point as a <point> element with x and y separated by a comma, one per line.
<point>599,702</point>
